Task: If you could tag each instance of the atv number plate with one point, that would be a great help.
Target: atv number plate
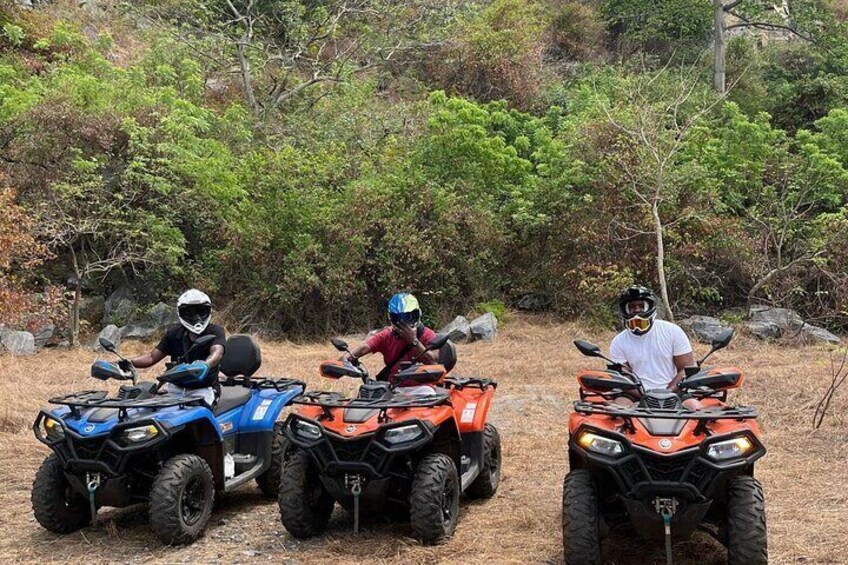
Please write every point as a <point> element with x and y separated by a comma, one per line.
<point>468,413</point>
<point>261,410</point>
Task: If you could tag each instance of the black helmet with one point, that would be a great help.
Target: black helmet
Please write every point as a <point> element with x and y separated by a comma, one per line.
<point>638,307</point>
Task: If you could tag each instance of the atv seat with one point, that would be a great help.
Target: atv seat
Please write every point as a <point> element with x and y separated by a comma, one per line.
<point>231,397</point>
<point>242,358</point>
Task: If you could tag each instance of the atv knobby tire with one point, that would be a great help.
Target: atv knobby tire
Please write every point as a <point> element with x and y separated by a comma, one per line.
<point>305,505</point>
<point>581,542</point>
<point>269,481</point>
<point>56,507</point>
<point>434,499</point>
<point>181,499</point>
<point>747,541</point>
<point>486,483</point>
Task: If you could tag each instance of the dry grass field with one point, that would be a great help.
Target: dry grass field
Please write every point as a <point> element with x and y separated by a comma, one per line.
<point>805,473</point>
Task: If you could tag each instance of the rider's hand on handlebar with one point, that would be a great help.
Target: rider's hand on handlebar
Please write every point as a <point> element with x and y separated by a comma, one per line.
<point>125,365</point>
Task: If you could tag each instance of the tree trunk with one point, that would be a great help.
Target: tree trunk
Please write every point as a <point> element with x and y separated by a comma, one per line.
<point>658,228</point>
<point>719,73</point>
<point>75,315</point>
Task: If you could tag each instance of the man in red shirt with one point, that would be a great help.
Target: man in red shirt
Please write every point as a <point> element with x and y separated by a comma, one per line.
<point>405,339</point>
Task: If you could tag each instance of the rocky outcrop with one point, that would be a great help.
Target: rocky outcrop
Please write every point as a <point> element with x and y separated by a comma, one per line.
<point>120,308</point>
<point>459,330</point>
<point>703,328</point>
<point>144,327</point>
<point>485,327</point>
<point>110,332</point>
<point>17,342</point>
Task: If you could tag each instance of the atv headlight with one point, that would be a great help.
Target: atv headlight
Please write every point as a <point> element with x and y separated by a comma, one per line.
<point>728,449</point>
<point>306,431</point>
<point>600,444</point>
<point>402,434</point>
<point>53,430</point>
<point>139,434</point>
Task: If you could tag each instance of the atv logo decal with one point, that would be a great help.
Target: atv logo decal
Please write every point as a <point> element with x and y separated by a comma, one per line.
<point>262,410</point>
<point>350,429</point>
<point>665,443</point>
<point>226,426</point>
<point>89,428</point>
<point>468,413</point>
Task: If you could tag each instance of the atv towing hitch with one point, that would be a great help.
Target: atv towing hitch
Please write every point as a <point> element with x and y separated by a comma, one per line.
<point>666,507</point>
<point>354,482</point>
<point>92,482</point>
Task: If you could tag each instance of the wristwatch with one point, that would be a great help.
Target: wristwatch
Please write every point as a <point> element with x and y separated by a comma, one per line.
<point>414,342</point>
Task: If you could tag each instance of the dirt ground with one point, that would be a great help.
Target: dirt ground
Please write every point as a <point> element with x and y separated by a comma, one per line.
<point>805,472</point>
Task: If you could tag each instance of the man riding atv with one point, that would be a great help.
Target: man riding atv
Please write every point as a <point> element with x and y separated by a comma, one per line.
<point>194,309</point>
<point>404,340</point>
<point>655,350</point>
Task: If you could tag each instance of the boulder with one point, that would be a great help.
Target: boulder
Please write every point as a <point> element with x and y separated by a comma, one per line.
<point>763,330</point>
<point>17,342</point>
<point>110,332</point>
<point>41,327</point>
<point>814,334</point>
<point>459,330</point>
<point>703,328</point>
<point>151,323</point>
<point>532,302</point>
<point>120,308</point>
<point>783,318</point>
<point>485,327</point>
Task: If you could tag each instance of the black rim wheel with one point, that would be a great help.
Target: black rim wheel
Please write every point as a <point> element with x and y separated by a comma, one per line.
<point>447,502</point>
<point>192,501</point>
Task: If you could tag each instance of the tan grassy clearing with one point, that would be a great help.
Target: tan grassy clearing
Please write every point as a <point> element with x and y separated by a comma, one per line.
<point>805,473</point>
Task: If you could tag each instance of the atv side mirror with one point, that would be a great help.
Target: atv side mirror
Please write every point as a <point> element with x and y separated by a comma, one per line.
<point>438,341</point>
<point>587,348</point>
<point>720,342</point>
<point>722,339</point>
<point>107,345</point>
<point>339,344</point>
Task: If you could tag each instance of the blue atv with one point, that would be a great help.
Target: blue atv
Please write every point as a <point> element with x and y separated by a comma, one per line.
<point>170,451</point>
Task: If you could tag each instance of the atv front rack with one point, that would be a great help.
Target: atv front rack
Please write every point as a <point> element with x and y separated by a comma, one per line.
<point>279,385</point>
<point>97,399</point>
<point>460,383</point>
<point>329,400</point>
<point>608,409</point>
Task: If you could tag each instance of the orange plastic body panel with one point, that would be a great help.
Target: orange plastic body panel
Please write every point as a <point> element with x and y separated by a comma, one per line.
<point>435,415</point>
<point>471,407</point>
<point>423,369</point>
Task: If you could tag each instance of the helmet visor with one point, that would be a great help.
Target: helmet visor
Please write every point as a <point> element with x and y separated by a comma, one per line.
<point>636,307</point>
<point>406,318</point>
<point>638,323</point>
<point>195,313</point>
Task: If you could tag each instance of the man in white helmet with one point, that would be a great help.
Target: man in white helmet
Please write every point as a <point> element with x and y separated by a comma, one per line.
<point>194,309</point>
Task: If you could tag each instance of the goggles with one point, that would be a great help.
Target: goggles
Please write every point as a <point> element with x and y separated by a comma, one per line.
<point>408,318</point>
<point>638,323</point>
<point>195,313</point>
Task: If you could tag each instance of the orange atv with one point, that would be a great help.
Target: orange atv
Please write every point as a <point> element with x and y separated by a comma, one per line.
<point>388,448</point>
<point>663,469</point>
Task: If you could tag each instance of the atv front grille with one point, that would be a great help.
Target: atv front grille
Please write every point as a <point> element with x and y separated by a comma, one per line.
<point>654,403</point>
<point>89,448</point>
<point>662,469</point>
<point>351,450</point>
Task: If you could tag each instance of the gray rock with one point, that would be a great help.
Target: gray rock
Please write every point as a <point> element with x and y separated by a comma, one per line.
<point>110,332</point>
<point>16,342</point>
<point>783,318</point>
<point>814,334</point>
<point>459,330</point>
<point>532,302</point>
<point>120,308</point>
<point>763,330</point>
<point>704,328</point>
<point>151,323</point>
<point>485,327</point>
<point>43,335</point>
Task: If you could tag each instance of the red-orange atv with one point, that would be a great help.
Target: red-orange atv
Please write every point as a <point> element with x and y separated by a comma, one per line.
<point>389,449</point>
<point>663,469</point>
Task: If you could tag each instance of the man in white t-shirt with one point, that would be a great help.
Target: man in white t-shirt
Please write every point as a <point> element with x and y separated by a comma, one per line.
<point>655,350</point>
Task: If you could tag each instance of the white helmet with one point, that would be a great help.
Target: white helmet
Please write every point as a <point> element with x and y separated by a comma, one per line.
<point>195,310</point>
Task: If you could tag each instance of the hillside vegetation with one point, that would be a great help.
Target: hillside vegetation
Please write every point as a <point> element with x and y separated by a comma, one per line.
<point>302,160</point>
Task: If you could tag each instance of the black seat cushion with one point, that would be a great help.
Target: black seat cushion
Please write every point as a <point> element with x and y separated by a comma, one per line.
<point>231,397</point>
<point>241,356</point>
<point>447,356</point>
